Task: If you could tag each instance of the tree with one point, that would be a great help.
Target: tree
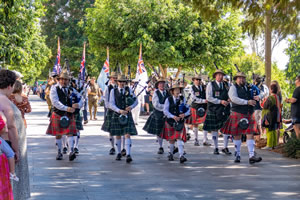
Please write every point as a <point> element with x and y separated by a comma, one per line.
<point>293,66</point>
<point>278,16</point>
<point>22,47</point>
<point>65,19</point>
<point>171,33</point>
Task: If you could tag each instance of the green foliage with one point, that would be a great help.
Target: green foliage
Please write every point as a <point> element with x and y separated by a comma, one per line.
<point>22,47</point>
<point>65,19</point>
<point>171,34</point>
<point>293,67</point>
<point>292,148</point>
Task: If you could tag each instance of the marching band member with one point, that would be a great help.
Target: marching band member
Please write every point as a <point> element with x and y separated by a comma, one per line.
<point>93,96</point>
<point>242,119</point>
<point>122,122</point>
<point>155,123</point>
<point>218,109</point>
<point>62,121</point>
<point>198,107</point>
<point>174,125</point>
<point>108,112</point>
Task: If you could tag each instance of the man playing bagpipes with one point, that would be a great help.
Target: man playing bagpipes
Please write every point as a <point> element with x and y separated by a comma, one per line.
<point>198,109</point>
<point>218,109</point>
<point>175,110</point>
<point>108,112</point>
<point>155,123</point>
<point>122,100</point>
<point>62,121</point>
<point>242,119</point>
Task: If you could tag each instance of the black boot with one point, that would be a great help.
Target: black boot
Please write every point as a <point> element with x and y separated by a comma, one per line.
<point>160,150</point>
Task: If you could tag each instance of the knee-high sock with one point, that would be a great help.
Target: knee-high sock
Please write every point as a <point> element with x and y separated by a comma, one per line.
<point>64,141</point>
<point>215,137</point>
<point>71,142</point>
<point>171,148</point>
<point>76,140</point>
<point>59,144</point>
<point>196,132</point>
<point>128,146</point>
<point>250,144</point>
<point>123,141</point>
<point>225,140</point>
<point>118,144</point>
<point>160,141</point>
<point>112,141</point>
<point>180,144</point>
<point>205,139</point>
<point>237,145</point>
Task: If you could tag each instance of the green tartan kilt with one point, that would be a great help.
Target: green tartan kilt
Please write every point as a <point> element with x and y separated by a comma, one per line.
<point>154,125</point>
<point>211,122</point>
<point>116,129</point>
<point>78,119</point>
<point>107,121</point>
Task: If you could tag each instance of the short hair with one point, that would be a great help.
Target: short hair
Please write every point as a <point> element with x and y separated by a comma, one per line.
<point>274,88</point>
<point>7,78</point>
<point>18,88</point>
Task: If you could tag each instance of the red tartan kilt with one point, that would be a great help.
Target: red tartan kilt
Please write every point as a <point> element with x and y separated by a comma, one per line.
<point>231,126</point>
<point>169,133</point>
<point>55,129</point>
<point>194,119</point>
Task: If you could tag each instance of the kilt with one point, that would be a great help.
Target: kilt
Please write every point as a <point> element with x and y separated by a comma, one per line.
<point>231,126</point>
<point>55,129</point>
<point>211,123</point>
<point>78,119</point>
<point>107,121</point>
<point>194,118</point>
<point>116,129</point>
<point>169,133</point>
<point>154,125</point>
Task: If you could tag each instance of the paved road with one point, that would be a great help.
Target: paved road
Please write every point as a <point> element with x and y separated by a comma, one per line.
<point>96,175</point>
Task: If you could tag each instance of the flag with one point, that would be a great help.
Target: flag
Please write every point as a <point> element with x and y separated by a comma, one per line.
<point>57,67</point>
<point>103,76</point>
<point>82,64</point>
<point>141,72</point>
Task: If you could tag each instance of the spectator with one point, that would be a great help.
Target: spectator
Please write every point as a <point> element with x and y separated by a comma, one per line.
<point>295,107</point>
<point>271,117</point>
<point>279,95</point>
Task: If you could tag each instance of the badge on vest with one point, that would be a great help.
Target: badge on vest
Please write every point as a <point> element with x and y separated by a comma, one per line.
<point>197,93</point>
<point>217,93</point>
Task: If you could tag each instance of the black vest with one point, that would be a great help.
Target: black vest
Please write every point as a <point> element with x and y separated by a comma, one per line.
<point>218,93</point>
<point>161,100</point>
<point>64,99</point>
<point>173,109</point>
<point>201,95</point>
<point>246,95</point>
<point>120,99</point>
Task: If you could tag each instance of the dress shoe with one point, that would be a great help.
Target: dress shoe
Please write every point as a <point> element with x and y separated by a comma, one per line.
<point>59,156</point>
<point>196,143</point>
<point>72,156</point>
<point>112,151</point>
<point>216,151</point>
<point>65,150</point>
<point>237,159</point>
<point>128,159</point>
<point>226,151</point>
<point>160,150</point>
<point>188,136</point>
<point>182,159</point>
<point>175,150</point>
<point>170,157</point>
<point>206,144</point>
<point>119,156</point>
<point>85,122</point>
<point>123,152</point>
<point>254,159</point>
<point>76,150</point>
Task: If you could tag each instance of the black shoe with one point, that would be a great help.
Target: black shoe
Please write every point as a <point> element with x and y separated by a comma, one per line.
<point>128,159</point>
<point>206,144</point>
<point>59,156</point>
<point>160,150</point>
<point>216,151</point>
<point>175,150</point>
<point>119,156</point>
<point>182,159</point>
<point>123,152</point>
<point>76,150</point>
<point>188,136</point>
<point>85,122</point>
<point>65,150</point>
<point>226,151</point>
<point>72,156</point>
<point>112,151</point>
<point>254,159</point>
<point>170,157</point>
<point>237,159</point>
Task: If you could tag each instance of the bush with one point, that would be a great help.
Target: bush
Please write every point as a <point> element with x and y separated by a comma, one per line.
<point>292,148</point>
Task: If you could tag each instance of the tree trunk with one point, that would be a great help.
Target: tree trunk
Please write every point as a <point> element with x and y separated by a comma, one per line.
<point>162,71</point>
<point>268,48</point>
<point>178,72</point>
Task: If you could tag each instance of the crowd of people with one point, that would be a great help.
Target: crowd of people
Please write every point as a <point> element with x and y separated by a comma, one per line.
<point>237,110</point>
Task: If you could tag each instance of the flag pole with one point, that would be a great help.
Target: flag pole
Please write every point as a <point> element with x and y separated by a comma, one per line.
<point>140,49</point>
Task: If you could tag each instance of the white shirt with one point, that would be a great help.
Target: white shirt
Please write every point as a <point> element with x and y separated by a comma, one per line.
<point>107,96</point>
<point>209,94</point>
<point>196,99</point>
<point>234,96</point>
<point>155,100</point>
<point>167,105</point>
<point>112,103</point>
<point>55,100</point>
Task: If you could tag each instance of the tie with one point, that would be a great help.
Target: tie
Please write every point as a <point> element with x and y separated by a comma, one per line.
<point>65,90</point>
<point>221,86</point>
<point>122,91</point>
